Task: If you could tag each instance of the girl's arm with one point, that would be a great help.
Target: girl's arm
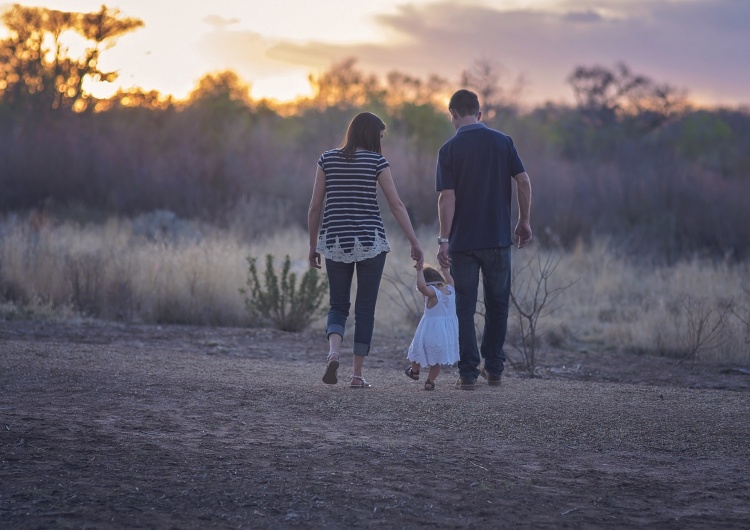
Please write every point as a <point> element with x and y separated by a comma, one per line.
<point>425,289</point>
<point>446,272</point>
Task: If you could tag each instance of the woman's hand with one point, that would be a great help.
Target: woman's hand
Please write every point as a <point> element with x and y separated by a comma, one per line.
<point>417,255</point>
<point>314,258</point>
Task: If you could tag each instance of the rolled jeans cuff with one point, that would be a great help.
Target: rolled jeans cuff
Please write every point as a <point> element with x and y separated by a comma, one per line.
<point>335,328</point>
<point>359,348</point>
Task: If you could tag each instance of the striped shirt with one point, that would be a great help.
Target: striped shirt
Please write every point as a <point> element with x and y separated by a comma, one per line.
<point>352,228</point>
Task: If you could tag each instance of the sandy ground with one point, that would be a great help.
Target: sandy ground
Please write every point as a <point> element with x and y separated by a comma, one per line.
<point>122,426</point>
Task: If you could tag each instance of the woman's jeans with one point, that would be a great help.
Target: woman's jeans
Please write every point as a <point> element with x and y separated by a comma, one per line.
<point>494,264</point>
<point>369,273</point>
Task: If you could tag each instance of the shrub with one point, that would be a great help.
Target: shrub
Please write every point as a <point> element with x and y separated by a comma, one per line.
<point>280,303</point>
<point>533,297</point>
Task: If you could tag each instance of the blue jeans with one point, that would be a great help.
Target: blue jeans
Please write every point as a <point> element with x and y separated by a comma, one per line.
<point>494,264</point>
<point>369,273</point>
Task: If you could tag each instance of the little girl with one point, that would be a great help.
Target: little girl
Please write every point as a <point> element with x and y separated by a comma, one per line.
<point>436,338</point>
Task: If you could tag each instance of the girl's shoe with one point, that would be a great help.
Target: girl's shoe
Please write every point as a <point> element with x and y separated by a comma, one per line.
<point>429,385</point>
<point>359,382</point>
<point>411,374</point>
<point>329,377</point>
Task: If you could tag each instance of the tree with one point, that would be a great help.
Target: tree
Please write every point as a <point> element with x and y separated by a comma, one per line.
<point>36,70</point>
<point>484,78</point>
<point>344,86</point>
<point>606,96</point>
<point>407,89</point>
<point>222,90</point>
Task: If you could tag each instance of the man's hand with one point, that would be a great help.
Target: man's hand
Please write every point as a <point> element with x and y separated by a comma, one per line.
<point>443,256</point>
<point>523,234</point>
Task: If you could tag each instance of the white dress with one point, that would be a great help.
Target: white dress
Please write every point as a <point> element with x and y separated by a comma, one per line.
<point>436,338</point>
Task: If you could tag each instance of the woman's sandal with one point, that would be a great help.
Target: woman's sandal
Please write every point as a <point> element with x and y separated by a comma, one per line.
<point>411,374</point>
<point>362,383</point>
<point>429,385</point>
<point>329,377</point>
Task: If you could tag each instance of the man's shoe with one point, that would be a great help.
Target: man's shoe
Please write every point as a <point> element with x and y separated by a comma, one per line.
<point>492,380</point>
<point>465,384</point>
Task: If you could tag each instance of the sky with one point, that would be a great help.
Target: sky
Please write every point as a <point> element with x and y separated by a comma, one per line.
<point>700,46</point>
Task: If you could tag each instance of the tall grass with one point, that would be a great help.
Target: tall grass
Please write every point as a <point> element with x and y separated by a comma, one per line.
<point>190,274</point>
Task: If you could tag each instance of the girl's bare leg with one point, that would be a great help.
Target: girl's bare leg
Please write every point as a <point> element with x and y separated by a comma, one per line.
<point>434,372</point>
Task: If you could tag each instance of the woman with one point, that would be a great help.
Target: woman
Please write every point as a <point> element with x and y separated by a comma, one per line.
<point>352,237</point>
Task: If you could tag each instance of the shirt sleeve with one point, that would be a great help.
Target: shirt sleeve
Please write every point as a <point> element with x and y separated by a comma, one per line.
<point>321,162</point>
<point>444,175</point>
<point>382,164</point>
<point>516,166</point>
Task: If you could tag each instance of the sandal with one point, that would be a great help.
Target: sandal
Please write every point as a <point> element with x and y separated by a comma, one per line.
<point>329,377</point>
<point>362,383</point>
<point>411,374</point>
<point>429,385</point>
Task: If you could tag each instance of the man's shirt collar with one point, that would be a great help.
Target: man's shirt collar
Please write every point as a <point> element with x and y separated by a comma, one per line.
<point>471,127</point>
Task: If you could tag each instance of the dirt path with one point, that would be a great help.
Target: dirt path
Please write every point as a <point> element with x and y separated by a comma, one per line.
<point>111,426</point>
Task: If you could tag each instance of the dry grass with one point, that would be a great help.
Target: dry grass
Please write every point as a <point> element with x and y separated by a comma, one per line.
<point>633,307</point>
<point>115,271</point>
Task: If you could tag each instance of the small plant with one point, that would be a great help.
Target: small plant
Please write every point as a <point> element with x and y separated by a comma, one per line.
<point>533,298</point>
<point>411,304</point>
<point>743,314</point>
<point>85,276</point>
<point>279,301</point>
<point>706,326</point>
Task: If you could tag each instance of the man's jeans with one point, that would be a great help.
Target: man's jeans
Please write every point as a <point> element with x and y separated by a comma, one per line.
<point>369,273</point>
<point>494,264</point>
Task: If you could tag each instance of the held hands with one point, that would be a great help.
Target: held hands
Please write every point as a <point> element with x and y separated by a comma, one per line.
<point>417,255</point>
<point>443,256</point>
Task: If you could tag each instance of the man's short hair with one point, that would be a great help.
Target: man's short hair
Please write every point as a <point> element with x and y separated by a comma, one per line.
<point>465,103</point>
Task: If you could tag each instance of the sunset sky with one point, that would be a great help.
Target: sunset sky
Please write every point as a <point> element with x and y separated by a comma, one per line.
<point>702,46</point>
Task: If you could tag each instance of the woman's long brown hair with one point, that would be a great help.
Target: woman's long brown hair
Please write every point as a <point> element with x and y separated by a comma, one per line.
<point>363,133</point>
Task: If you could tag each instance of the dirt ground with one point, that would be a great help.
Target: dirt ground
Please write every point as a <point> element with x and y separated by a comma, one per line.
<point>108,425</point>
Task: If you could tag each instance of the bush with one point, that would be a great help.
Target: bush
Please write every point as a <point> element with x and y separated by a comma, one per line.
<point>281,304</point>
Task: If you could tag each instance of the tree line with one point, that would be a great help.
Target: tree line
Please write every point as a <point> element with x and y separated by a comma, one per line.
<point>632,159</point>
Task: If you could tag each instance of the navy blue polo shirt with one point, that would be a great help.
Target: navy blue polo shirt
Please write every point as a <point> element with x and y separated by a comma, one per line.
<point>478,163</point>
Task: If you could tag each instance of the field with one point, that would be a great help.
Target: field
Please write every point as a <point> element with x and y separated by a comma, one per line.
<point>108,425</point>
<point>159,269</point>
<point>135,392</point>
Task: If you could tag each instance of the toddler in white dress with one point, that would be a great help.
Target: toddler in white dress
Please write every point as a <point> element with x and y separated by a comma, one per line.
<point>435,341</point>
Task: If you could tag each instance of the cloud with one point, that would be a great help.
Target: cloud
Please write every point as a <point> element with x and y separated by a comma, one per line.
<point>698,45</point>
<point>219,22</point>
<point>243,51</point>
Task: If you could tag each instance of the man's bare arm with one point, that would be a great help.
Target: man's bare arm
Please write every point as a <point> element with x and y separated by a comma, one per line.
<point>446,211</point>
<point>523,228</point>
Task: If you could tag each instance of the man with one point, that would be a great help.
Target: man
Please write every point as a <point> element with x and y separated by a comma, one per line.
<point>474,173</point>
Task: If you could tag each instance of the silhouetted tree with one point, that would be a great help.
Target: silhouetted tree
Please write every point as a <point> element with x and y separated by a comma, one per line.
<point>223,89</point>
<point>344,86</point>
<point>36,70</point>
<point>404,88</point>
<point>484,77</point>
<point>605,96</point>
